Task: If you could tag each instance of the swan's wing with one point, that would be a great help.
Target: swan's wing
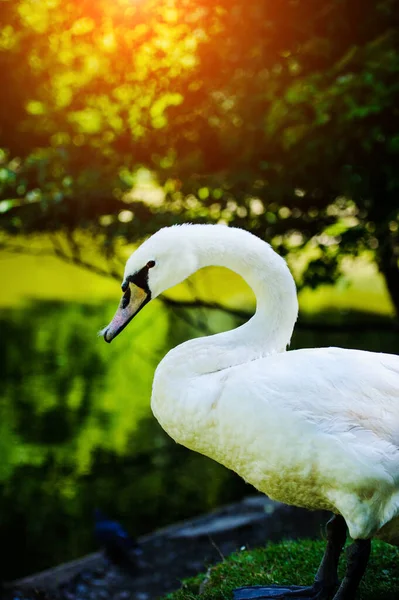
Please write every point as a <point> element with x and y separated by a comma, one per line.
<point>316,428</point>
<point>331,385</point>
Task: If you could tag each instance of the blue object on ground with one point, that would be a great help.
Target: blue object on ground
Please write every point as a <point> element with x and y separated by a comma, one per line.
<point>119,547</point>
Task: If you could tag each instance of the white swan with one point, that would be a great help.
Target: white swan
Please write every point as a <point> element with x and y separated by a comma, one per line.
<point>317,428</point>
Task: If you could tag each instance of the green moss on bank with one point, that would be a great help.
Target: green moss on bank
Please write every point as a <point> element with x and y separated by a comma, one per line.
<point>290,563</point>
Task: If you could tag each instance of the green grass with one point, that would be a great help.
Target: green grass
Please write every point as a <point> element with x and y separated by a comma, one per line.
<point>290,563</point>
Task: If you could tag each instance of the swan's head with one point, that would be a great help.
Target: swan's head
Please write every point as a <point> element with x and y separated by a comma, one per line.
<point>162,261</point>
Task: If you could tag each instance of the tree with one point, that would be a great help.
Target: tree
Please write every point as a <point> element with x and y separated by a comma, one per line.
<point>280,118</point>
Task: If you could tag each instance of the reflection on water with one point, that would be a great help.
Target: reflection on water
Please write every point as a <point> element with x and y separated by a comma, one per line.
<point>76,430</point>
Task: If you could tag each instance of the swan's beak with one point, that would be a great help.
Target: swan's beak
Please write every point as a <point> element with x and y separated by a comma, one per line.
<point>132,302</point>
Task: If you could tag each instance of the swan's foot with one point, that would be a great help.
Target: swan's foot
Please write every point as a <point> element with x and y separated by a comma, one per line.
<point>284,592</point>
<point>326,578</point>
<point>326,581</point>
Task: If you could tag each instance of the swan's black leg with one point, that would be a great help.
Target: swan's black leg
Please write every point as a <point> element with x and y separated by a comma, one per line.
<point>357,558</point>
<point>326,580</point>
<point>327,575</point>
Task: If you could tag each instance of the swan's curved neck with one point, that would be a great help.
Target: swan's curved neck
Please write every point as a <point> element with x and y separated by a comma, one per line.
<point>270,329</point>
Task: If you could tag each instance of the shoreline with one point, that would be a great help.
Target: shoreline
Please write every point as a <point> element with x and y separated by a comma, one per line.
<point>175,552</point>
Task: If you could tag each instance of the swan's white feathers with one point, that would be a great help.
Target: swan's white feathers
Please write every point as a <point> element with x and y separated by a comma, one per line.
<point>310,447</point>
<point>316,427</point>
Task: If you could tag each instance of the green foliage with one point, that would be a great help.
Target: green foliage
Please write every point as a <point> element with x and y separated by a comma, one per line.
<point>290,563</point>
<point>281,119</point>
<point>76,433</point>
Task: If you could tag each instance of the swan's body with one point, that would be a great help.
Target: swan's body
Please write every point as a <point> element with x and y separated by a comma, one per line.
<point>317,428</point>
<point>324,438</point>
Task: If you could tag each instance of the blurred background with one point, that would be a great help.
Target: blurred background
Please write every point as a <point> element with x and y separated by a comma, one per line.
<point>118,118</point>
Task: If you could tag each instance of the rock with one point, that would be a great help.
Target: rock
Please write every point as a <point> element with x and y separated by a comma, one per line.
<point>217,525</point>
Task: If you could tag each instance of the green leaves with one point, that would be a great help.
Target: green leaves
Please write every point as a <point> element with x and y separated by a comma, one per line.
<point>294,106</point>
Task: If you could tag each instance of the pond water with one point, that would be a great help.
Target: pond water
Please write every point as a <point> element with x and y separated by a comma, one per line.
<point>76,430</point>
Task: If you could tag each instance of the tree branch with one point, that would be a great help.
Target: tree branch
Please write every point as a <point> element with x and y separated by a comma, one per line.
<point>59,253</point>
<point>242,315</point>
<point>322,326</point>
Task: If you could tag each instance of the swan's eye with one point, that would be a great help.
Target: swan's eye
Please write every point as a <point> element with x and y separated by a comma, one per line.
<point>150,264</point>
<point>126,297</point>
